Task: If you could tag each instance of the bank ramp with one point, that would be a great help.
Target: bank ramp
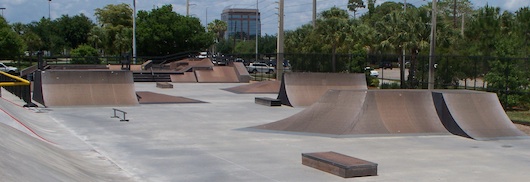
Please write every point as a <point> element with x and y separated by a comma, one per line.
<point>303,89</point>
<point>85,88</point>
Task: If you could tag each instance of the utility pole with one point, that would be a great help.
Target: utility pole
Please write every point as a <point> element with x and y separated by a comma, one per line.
<point>432,58</point>
<point>454,15</point>
<point>3,11</point>
<point>50,10</point>
<point>257,34</point>
<point>279,57</point>
<point>134,32</point>
<point>187,7</point>
<point>463,24</point>
<point>403,56</point>
<point>314,13</point>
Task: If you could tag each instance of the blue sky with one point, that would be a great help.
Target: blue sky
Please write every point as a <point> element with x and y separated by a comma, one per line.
<point>297,12</point>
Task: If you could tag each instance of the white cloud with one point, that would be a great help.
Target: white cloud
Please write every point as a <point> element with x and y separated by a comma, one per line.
<point>514,5</point>
<point>12,2</point>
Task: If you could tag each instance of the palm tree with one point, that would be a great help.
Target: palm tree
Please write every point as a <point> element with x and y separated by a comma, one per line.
<point>333,27</point>
<point>96,36</point>
<point>217,27</point>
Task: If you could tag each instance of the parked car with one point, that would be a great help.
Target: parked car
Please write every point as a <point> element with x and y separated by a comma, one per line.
<point>385,65</point>
<point>373,72</point>
<point>259,67</point>
<point>221,61</point>
<point>273,63</point>
<point>8,69</point>
<point>202,55</point>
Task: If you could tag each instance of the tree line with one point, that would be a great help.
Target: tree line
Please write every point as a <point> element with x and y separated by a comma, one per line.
<point>482,43</point>
<point>159,32</point>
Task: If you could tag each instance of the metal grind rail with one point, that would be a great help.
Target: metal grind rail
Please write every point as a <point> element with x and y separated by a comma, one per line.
<point>116,116</point>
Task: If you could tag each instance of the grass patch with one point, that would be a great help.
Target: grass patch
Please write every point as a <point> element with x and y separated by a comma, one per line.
<point>519,116</point>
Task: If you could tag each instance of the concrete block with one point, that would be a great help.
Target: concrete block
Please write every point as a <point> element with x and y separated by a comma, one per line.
<point>339,164</point>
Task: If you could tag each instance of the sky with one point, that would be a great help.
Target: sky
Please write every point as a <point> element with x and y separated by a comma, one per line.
<point>297,12</point>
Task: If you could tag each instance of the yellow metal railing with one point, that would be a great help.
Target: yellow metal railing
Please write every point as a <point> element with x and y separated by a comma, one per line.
<point>21,81</point>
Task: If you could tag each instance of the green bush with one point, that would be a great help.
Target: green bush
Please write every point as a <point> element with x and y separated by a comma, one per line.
<point>393,85</point>
<point>85,54</point>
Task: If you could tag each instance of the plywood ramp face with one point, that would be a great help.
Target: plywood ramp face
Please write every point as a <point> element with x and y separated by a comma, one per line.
<point>350,112</point>
<point>480,116</point>
<point>241,72</point>
<point>186,77</point>
<point>333,114</point>
<point>408,111</point>
<point>86,88</point>
<point>304,89</point>
<point>219,74</point>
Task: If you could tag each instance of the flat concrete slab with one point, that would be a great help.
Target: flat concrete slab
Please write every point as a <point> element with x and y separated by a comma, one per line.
<point>209,142</point>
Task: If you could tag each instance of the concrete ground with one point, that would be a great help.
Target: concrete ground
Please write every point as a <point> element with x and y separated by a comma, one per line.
<point>210,142</point>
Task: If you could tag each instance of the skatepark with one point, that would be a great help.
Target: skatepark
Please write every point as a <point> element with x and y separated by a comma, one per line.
<point>214,138</point>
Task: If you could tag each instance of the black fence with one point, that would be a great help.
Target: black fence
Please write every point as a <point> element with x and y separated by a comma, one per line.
<point>508,77</point>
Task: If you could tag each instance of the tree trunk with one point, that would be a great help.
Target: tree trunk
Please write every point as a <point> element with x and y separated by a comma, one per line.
<point>401,69</point>
<point>334,59</point>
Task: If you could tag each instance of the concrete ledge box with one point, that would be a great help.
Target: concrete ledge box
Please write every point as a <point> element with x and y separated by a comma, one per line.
<point>339,164</point>
<point>164,85</point>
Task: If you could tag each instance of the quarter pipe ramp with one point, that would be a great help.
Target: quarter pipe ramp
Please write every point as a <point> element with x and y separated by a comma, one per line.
<point>476,115</point>
<point>304,89</point>
<point>85,88</point>
<point>348,112</point>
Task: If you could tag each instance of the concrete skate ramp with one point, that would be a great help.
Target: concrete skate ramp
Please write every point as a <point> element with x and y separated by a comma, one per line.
<point>86,88</point>
<point>218,74</point>
<point>304,89</point>
<point>477,115</point>
<point>263,87</point>
<point>185,77</point>
<point>156,98</point>
<point>241,72</point>
<point>189,64</point>
<point>351,112</point>
<point>35,148</point>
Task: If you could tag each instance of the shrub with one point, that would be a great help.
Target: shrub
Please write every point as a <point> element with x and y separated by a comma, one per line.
<point>85,54</point>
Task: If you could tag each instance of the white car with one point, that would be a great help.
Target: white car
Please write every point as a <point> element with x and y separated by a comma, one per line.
<point>8,69</point>
<point>259,67</point>
<point>202,55</point>
<point>373,72</point>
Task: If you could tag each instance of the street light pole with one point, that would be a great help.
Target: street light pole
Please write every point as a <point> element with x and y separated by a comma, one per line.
<point>187,7</point>
<point>314,13</point>
<point>49,9</point>
<point>2,11</point>
<point>134,32</point>
<point>432,48</point>
<point>279,57</point>
<point>257,39</point>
